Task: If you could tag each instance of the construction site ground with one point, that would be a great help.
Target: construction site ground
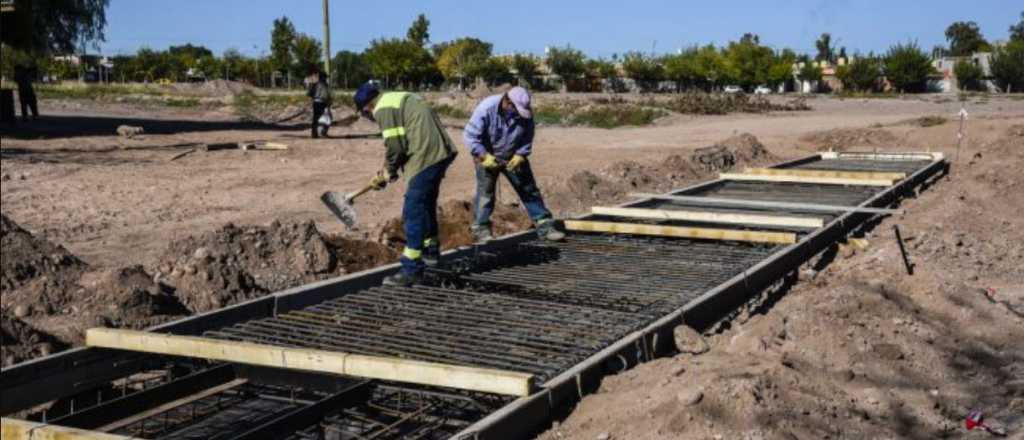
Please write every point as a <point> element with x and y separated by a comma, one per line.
<point>104,230</point>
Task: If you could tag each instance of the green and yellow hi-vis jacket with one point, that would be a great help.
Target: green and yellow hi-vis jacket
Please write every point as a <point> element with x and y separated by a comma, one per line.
<point>413,134</point>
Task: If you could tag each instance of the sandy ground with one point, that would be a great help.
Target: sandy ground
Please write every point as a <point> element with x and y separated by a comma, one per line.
<point>859,350</point>
<point>113,201</point>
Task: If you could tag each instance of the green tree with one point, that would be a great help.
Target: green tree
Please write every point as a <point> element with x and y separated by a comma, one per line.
<point>233,62</point>
<point>525,67</point>
<point>907,67</point>
<point>782,68</point>
<point>968,75</point>
<point>462,59</point>
<point>53,26</point>
<point>643,69</point>
<point>282,37</point>
<point>809,72</point>
<point>965,38</point>
<point>494,71</point>
<point>1008,66</point>
<point>681,69</point>
<point>604,72</point>
<point>826,51</point>
<point>350,68</point>
<point>306,53</point>
<point>567,63</point>
<point>861,74</point>
<point>750,63</point>
<point>1017,30</point>
<point>711,67</point>
<point>399,62</point>
<point>419,31</point>
<point>189,51</point>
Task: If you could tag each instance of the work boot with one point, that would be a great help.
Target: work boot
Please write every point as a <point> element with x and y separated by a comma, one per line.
<point>403,279</point>
<point>432,257</point>
<point>546,230</point>
<point>481,234</point>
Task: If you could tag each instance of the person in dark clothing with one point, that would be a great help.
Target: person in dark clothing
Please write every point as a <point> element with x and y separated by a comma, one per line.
<point>416,145</point>
<point>26,94</point>
<point>320,92</point>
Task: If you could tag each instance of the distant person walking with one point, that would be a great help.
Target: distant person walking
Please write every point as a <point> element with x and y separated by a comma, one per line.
<point>23,76</point>
<point>320,92</point>
<point>500,137</point>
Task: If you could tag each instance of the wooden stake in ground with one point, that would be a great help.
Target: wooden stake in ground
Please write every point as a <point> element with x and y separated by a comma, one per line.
<point>960,136</point>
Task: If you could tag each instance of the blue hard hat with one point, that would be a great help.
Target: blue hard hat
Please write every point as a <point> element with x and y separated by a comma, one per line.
<point>365,94</point>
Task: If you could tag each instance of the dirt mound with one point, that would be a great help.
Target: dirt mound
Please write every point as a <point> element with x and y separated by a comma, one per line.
<point>1016,131</point>
<point>455,218</point>
<point>584,189</point>
<point>26,257</point>
<point>742,149</point>
<point>129,297</point>
<point>841,139</point>
<point>234,263</point>
<point>614,183</point>
<point>20,342</point>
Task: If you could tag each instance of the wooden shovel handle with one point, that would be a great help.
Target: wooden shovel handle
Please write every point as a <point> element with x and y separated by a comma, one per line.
<point>352,195</point>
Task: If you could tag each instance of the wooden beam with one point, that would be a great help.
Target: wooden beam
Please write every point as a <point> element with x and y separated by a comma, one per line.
<point>14,429</point>
<point>710,217</point>
<point>742,203</point>
<point>798,179</point>
<point>921,156</point>
<point>371,367</point>
<point>840,174</point>
<point>682,232</point>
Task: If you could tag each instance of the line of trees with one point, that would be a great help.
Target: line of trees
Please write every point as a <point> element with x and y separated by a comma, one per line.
<point>414,62</point>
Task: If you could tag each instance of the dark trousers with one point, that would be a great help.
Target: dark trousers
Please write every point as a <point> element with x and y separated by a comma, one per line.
<point>27,96</point>
<point>522,181</point>
<point>419,215</point>
<point>318,111</point>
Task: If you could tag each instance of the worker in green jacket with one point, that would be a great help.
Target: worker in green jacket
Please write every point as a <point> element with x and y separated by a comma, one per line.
<point>419,148</point>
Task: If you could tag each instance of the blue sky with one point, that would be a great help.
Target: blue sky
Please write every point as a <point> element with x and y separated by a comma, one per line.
<point>598,27</point>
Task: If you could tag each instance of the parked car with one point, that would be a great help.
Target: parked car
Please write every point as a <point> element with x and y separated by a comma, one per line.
<point>762,90</point>
<point>733,89</point>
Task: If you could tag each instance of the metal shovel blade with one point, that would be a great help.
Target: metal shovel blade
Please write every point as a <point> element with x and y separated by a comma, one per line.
<point>340,207</point>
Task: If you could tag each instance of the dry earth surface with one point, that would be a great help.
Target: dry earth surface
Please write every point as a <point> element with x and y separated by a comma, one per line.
<point>99,229</point>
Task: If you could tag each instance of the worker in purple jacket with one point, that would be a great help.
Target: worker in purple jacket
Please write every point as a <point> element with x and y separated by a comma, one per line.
<point>500,138</point>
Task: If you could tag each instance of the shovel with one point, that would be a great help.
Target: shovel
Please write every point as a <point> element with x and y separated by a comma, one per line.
<point>341,205</point>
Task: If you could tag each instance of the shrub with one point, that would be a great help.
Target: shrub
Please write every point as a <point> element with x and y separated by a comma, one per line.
<point>612,116</point>
<point>968,75</point>
<point>1008,66</point>
<point>907,67</point>
<point>861,75</point>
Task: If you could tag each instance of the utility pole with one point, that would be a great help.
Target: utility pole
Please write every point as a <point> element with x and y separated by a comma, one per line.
<point>327,42</point>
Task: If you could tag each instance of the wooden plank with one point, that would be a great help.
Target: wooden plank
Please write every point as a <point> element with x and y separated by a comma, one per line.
<point>914,155</point>
<point>371,367</point>
<point>840,174</point>
<point>682,232</point>
<point>710,217</point>
<point>14,429</point>
<point>799,179</point>
<point>742,203</point>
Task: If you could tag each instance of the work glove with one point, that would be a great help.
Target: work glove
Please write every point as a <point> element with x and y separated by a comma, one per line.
<point>379,181</point>
<point>489,162</point>
<point>516,162</point>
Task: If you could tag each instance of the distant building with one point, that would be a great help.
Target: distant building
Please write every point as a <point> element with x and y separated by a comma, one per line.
<point>945,80</point>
